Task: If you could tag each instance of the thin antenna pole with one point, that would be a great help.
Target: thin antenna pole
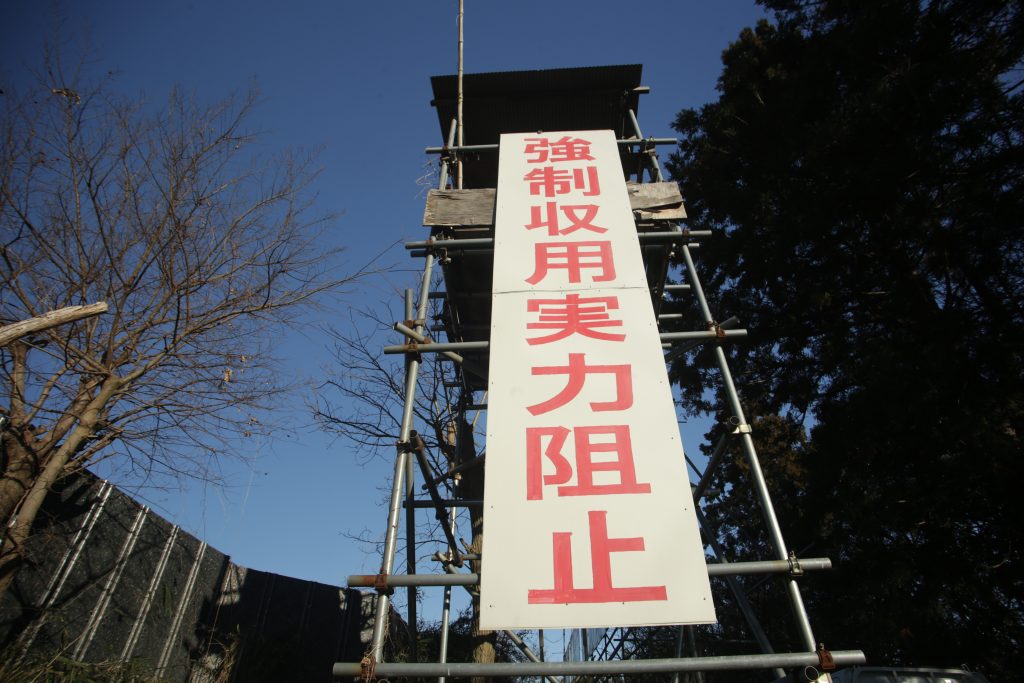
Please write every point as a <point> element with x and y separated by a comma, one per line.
<point>458,114</point>
<point>410,520</point>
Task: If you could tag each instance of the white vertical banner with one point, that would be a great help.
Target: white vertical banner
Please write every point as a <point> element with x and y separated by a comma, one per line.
<point>588,515</point>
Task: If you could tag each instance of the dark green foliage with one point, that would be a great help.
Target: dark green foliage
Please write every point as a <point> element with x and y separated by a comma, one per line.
<point>865,162</point>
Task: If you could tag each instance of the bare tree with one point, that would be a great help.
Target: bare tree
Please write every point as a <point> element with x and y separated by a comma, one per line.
<point>362,401</point>
<point>362,395</point>
<point>200,251</point>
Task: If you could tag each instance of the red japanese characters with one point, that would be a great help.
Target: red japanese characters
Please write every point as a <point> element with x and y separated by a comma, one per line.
<point>587,516</point>
<point>580,258</point>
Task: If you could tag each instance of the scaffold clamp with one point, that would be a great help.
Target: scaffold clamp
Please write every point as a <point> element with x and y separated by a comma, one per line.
<point>380,584</point>
<point>795,570</point>
<point>412,349</point>
<point>825,660</point>
<point>367,666</point>
<point>407,446</point>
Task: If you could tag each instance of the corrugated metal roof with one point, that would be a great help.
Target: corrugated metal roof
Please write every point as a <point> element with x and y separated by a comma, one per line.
<point>584,98</point>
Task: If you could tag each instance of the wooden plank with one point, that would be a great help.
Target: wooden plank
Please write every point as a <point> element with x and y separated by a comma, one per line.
<point>650,195</point>
<point>652,201</point>
<point>667,213</point>
<point>656,201</point>
<point>460,207</point>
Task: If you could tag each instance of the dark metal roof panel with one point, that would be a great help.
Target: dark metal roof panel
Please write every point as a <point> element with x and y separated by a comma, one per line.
<point>584,98</point>
<point>589,98</point>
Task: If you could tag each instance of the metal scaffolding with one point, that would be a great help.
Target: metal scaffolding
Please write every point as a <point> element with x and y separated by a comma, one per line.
<point>463,252</point>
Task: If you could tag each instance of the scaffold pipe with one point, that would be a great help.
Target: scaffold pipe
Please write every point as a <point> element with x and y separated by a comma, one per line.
<point>714,569</point>
<point>646,666</point>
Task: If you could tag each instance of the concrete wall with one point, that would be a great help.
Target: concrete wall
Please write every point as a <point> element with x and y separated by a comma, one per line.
<point>107,579</point>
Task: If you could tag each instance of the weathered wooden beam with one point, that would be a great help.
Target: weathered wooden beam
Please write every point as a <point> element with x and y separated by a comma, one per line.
<point>656,201</point>
<point>460,207</point>
<point>652,201</point>
<point>13,331</point>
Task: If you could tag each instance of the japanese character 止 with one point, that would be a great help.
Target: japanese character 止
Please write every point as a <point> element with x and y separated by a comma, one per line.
<point>550,181</point>
<point>573,257</point>
<point>563,149</point>
<point>601,549</point>
<point>585,447</point>
<point>549,218</point>
<point>577,370</point>
<point>574,315</point>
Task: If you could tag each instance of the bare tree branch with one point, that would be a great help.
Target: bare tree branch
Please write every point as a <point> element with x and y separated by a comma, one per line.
<point>201,253</point>
<point>68,314</point>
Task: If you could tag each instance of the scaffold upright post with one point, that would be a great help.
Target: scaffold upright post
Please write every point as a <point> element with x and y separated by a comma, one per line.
<point>402,455</point>
<point>410,520</point>
<point>446,606</point>
<point>760,485</point>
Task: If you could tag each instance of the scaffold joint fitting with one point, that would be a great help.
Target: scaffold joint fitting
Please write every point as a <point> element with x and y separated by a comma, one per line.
<point>367,668</point>
<point>825,660</point>
<point>380,584</point>
<point>795,570</point>
<point>412,349</point>
<point>416,443</point>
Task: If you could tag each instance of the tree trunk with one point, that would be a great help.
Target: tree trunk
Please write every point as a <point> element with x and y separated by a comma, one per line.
<point>19,470</point>
<point>483,641</point>
<point>16,533</point>
<point>471,486</point>
<point>10,562</point>
<point>18,529</point>
<point>13,486</point>
<point>19,465</point>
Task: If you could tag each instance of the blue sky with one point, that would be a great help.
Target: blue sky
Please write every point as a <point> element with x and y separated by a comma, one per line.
<point>352,78</point>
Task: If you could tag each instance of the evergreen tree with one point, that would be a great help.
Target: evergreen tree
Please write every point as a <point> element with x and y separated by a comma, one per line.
<point>864,165</point>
